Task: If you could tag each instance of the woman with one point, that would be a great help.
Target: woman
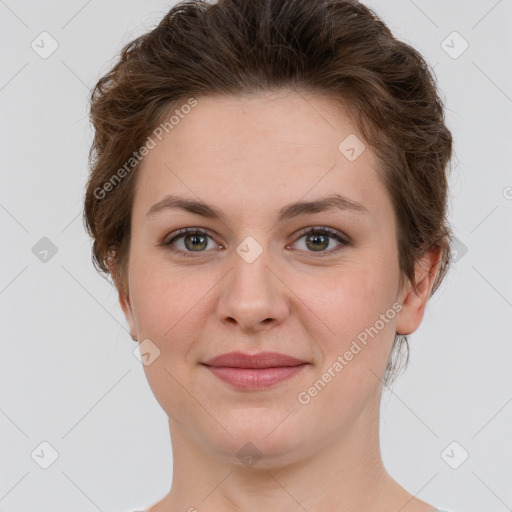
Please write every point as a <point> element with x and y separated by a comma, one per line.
<point>268,191</point>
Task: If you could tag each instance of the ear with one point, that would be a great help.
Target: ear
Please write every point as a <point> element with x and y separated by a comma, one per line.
<point>124,301</point>
<point>414,300</point>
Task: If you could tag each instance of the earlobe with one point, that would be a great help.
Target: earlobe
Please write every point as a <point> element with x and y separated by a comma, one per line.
<point>124,298</point>
<point>414,299</point>
<point>124,301</point>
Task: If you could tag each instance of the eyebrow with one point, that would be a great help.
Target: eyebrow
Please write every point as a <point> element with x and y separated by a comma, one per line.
<point>334,201</point>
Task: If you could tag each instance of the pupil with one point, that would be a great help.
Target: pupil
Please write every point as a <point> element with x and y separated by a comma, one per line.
<point>198,240</point>
<point>319,241</point>
<point>314,241</point>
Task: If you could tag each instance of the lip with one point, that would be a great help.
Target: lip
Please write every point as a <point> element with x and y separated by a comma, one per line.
<point>254,371</point>
<point>259,360</point>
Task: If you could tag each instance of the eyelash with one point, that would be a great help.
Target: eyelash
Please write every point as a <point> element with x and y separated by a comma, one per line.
<point>317,230</point>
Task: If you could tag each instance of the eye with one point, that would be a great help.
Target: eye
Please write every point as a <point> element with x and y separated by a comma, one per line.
<point>193,240</point>
<point>318,239</point>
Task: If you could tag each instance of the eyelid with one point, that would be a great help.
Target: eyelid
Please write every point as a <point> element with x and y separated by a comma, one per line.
<point>184,231</point>
<point>168,240</point>
<point>325,230</point>
<point>342,239</point>
<point>334,233</point>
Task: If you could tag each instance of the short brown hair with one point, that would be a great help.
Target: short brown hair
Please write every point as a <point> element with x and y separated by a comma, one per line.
<point>236,47</point>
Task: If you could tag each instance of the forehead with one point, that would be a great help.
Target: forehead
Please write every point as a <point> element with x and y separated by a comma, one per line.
<point>260,149</point>
<point>290,124</point>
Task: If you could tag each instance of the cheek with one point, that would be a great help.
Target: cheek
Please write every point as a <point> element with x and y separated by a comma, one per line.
<point>355,354</point>
<point>165,312</point>
<point>170,306</point>
<point>160,297</point>
<point>355,303</point>
<point>355,294</point>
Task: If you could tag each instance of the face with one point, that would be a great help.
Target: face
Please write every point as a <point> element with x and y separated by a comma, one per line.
<point>252,280</point>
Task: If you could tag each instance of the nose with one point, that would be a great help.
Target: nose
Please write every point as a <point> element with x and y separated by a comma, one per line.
<point>253,295</point>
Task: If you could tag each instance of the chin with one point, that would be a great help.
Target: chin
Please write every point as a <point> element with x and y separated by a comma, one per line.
<point>261,437</point>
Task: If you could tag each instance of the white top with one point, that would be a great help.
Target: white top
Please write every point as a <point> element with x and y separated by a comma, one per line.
<point>438,510</point>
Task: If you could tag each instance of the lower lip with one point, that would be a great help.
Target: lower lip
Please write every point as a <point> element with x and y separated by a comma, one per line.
<point>255,378</point>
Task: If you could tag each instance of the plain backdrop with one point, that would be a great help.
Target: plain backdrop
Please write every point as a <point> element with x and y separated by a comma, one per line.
<point>68,374</point>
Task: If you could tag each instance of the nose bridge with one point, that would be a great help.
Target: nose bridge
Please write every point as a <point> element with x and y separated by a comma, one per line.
<point>252,294</point>
<point>251,276</point>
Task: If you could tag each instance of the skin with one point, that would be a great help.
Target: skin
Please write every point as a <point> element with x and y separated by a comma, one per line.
<point>250,156</point>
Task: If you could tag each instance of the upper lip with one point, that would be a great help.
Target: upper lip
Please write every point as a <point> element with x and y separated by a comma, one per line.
<point>260,360</point>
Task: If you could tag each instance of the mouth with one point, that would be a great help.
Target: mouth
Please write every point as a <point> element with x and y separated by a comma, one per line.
<point>254,371</point>
<point>255,378</point>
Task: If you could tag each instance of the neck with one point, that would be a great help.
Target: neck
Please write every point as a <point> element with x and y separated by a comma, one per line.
<point>346,473</point>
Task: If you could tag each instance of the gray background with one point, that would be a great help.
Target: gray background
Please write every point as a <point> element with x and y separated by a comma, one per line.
<point>68,373</point>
